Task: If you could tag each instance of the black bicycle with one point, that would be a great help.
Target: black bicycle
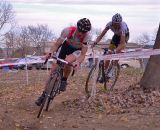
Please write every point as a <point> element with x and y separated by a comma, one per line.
<point>53,85</point>
<point>107,77</point>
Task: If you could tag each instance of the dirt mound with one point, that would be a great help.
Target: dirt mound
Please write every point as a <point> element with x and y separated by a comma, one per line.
<point>116,101</point>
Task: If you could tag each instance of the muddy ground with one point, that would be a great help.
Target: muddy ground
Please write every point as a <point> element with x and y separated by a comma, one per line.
<point>127,107</point>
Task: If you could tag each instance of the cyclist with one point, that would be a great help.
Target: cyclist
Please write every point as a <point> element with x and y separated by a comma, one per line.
<point>120,37</point>
<point>73,41</point>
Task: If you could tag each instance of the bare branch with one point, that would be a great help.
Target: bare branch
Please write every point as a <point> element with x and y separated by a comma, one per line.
<point>6,17</point>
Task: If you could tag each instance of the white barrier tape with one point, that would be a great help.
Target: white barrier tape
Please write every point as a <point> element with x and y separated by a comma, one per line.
<point>25,62</point>
<point>140,53</point>
<point>124,51</point>
<point>137,54</point>
<point>21,63</point>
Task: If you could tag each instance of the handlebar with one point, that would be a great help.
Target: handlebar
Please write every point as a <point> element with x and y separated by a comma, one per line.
<point>58,59</point>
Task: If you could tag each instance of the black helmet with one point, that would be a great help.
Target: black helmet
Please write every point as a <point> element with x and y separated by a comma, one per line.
<point>84,25</point>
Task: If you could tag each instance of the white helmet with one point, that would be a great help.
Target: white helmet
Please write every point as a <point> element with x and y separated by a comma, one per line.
<point>117,18</point>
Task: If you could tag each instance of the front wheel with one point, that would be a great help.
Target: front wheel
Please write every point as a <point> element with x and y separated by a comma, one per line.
<point>54,85</point>
<point>112,75</point>
<point>90,81</point>
<point>51,85</point>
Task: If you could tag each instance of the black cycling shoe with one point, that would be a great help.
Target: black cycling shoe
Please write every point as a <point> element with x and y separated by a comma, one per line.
<point>40,99</point>
<point>63,86</point>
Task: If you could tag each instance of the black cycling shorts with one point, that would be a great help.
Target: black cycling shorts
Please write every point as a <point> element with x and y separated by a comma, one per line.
<point>116,39</point>
<point>66,49</point>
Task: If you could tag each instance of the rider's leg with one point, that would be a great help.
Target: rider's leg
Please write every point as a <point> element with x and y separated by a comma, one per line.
<point>107,62</point>
<point>67,69</point>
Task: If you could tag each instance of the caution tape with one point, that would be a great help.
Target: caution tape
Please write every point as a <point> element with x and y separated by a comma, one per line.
<point>24,63</point>
<point>138,53</point>
<point>146,53</point>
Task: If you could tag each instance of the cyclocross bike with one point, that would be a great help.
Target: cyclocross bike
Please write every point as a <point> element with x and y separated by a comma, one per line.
<point>107,76</point>
<point>53,85</point>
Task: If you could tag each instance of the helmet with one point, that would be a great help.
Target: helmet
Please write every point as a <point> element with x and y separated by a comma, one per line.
<point>117,18</point>
<point>84,25</point>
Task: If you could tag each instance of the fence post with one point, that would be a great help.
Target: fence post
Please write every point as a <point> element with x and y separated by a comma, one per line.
<point>26,69</point>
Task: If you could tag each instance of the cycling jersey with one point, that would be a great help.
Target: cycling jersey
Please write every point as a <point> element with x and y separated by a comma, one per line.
<point>73,43</point>
<point>73,39</point>
<point>123,30</point>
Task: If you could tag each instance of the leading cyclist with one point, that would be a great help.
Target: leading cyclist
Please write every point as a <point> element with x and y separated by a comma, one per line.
<point>73,41</point>
<point>120,37</point>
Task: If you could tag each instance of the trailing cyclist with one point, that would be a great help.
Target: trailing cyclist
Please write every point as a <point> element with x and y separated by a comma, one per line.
<point>120,37</point>
<point>73,42</point>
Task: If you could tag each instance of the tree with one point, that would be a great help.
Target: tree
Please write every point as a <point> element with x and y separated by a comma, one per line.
<point>6,18</point>
<point>38,36</point>
<point>143,39</point>
<point>1,53</point>
<point>23,42</point>
<point>10,42</point>
<point>150,79</point>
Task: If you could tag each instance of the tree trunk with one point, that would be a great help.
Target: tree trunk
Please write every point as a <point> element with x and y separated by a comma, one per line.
<point>151,76</point>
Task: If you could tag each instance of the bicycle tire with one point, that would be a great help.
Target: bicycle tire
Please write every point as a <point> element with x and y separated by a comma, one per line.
<point>90,82</point>
<point>46,96</point>
<point>42,106</point>
<point>55,85</point>
<point>110,82</point>
<point>87,89</point>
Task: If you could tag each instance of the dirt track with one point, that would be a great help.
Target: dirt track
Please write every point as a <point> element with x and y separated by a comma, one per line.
<point>126,108</point>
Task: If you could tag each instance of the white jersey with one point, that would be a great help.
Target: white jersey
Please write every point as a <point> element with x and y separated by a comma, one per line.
<point>121,31</point>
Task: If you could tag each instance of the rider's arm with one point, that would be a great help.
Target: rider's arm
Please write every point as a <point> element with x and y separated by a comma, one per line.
<point>82,55</point>
<point>59,41</point>
<point>56,45</point>
<point>101,35</point>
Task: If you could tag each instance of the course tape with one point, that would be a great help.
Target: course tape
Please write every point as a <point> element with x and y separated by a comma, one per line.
<point>139,53</point>
<point>24,63</point>
<point>145,53</point>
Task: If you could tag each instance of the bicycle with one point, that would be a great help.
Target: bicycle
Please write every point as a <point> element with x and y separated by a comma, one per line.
<point>53,85</point>
<point>109,75</point>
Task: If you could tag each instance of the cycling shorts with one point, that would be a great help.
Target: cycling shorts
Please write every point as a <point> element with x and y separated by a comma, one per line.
<point>116,39</point>
<point>67,49</point>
